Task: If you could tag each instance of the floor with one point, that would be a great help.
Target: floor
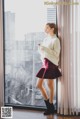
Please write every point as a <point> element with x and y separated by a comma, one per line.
<point>30,114</point>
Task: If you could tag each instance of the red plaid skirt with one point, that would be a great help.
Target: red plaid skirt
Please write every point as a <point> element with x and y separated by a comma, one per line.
<point>48,70</point>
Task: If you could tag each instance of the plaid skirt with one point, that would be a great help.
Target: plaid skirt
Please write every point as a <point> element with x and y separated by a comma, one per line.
<point>48,70</point>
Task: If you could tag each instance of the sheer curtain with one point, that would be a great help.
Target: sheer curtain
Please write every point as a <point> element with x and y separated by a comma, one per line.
<point>68,17</point>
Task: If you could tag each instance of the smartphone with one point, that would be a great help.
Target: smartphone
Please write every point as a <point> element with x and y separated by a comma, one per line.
<point>39,44</point>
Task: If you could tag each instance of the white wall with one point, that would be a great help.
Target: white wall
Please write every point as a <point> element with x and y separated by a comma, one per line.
<point>1,58</point>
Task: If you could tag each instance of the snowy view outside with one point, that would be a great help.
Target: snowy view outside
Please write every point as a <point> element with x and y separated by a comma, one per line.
<point>24,30</point>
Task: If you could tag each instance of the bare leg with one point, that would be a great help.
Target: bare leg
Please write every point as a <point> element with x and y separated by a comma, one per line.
<point>49,103</point>
<point>51,89</point>
<point>42,89</point>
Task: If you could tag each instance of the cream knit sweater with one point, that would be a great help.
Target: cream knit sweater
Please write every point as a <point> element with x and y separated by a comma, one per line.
<point>50,49</point>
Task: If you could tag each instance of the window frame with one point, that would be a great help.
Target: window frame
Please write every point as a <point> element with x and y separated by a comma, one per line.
<point>3,54</point>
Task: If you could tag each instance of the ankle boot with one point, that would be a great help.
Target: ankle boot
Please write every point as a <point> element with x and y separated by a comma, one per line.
<point>51,108</point>
<point>48,107</point>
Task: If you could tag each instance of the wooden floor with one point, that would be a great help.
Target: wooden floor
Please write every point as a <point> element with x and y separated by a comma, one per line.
<point>29,114</point>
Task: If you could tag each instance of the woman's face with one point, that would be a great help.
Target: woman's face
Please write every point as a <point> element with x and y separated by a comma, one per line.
<point>48,30</point>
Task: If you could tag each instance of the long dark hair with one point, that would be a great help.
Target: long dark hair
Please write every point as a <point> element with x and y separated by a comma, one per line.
<point>53,25</point>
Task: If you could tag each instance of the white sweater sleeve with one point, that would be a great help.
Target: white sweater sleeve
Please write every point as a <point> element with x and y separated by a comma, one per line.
<point>55,50</point>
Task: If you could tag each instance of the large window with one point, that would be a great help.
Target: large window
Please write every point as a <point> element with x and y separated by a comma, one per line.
<point>24,22</point>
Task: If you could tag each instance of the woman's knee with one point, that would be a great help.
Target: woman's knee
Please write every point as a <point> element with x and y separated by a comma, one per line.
<point>39,83</point>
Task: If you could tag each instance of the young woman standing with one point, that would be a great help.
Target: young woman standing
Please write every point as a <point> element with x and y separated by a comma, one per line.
<point>49,50</point>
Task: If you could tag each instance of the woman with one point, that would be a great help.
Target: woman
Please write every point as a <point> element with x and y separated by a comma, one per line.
<point>49,50</point>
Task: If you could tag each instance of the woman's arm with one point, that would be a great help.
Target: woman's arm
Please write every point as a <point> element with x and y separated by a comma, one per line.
<point>56,49</point>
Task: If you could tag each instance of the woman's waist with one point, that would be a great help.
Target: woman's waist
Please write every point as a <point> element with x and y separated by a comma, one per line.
<point>48,63</point>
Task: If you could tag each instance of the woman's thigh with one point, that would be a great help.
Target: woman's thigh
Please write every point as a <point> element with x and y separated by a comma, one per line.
<point>50,83</point>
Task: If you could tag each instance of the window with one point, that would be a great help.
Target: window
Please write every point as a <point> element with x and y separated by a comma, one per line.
<point>24,22</point>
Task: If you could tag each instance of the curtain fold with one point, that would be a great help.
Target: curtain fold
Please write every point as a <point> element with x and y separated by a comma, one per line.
<point>68,17</point>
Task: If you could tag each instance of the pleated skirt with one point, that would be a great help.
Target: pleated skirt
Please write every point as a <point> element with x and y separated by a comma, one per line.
<point>48,70</point>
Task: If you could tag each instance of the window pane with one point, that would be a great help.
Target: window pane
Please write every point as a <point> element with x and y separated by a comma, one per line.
<point>24,30</point>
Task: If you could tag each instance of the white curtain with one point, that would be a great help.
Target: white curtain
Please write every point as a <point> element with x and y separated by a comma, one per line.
<point>68,18</point>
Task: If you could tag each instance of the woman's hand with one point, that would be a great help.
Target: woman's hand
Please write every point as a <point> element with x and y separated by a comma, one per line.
<point>41,47</point>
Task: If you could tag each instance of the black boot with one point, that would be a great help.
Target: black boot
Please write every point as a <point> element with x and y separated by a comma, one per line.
<point>51,108</point>
<point>48,106</point>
